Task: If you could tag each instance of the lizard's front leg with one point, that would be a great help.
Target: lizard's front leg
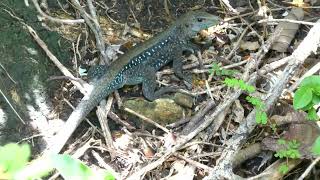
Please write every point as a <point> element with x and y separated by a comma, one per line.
<point>149,85</point>
<point>177,68</point>
<point>191,47</point>
<point>177,63</point>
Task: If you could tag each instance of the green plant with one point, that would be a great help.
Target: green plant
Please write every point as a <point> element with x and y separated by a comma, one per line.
<point>72,168</point>
<point>307,96</point>
<point>261,115</point>
<point>13,160</point>
<point>283,168</point>
<point>316,147</point>
<point>217,70</point>
<point>238,83</point>
<point>290,150</point>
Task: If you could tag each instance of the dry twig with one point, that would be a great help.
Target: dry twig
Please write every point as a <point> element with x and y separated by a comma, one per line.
<point>307,46</point>
<point>53,19</point>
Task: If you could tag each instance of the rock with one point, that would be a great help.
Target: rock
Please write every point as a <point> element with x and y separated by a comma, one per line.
<point>162,111</point>
<point>183,100</point>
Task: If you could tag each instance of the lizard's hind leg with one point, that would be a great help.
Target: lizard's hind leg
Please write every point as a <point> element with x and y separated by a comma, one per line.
<point>149,86</point>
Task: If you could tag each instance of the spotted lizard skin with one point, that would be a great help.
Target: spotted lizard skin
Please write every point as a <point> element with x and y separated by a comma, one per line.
<point>140,64</point>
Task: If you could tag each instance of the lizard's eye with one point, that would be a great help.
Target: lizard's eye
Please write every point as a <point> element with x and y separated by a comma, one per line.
<point>200,19</point>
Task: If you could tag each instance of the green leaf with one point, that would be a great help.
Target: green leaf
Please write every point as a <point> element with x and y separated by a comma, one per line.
<point>261,117</point>
<point>312,114</point>
<point>215,67</point>
<point>316,146</point>
<point>311,81</point>
<point>230,82</point>
<point>309,106</point>
<point>302,97</point>
<point>282,142</point>
<point>13,157</point>
<point>316,99</point>
<point>293,144</point>
<point>293,153</point>
<point>71,168</point>
<point>283,169</point>
<point>74,169</point>
<point>280,154</point>
<point>251,89</point>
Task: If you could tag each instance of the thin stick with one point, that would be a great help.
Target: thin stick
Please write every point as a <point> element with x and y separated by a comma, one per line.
<point>147,120</point>
<point>14,110</point>
<point>102,111</point>
<point>311,71</point>
<point>307,171</point>
<point>8,74</point>
<point>94,27</point>
<point>53,19</point>
<point>287,20</point>
<point>55,60</point>
<point>194,163</point>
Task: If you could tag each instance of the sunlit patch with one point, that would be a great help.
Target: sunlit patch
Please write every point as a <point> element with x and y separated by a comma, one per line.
<point>3,117</point>
<point>41,110</point>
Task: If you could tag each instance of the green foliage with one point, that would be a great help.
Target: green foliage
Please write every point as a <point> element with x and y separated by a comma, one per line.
<point>302,97</point>
<point>283,169</point>
<point>290,151</point>
<point>257,102</point>
<point>74,169</point>
<point>316,146</point>
<point>274,127</point>
<point>217,70</point>
<point>312,114</point>
<point>13,160</point>
<point>261,115</point>
<point>307,96</point>
<point>233,82</point>
<point>13,157</point>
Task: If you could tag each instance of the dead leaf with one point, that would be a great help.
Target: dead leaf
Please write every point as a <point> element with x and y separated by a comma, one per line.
<point>288,30</point>
<point>248,45</point>
<point>303,131</point>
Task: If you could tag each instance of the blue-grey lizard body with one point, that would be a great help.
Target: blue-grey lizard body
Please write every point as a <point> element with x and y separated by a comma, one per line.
<point>139,65</point>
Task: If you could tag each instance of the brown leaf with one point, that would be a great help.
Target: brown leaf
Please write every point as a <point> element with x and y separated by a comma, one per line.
<point>288,30</point>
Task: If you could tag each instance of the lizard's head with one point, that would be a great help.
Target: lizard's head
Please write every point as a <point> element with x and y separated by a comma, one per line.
<point>196,21</point>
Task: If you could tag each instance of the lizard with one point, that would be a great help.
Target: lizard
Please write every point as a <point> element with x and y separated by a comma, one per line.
<point>139,65</point>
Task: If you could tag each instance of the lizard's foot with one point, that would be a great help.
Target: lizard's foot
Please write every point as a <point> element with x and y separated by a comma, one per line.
<point>153,95</point>
<point>187,79</point>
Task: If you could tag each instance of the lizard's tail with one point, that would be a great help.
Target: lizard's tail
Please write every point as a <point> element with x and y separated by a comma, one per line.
<point>82,110</point>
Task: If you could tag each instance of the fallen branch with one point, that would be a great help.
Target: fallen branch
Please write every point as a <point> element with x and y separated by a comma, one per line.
<point>307,46</point>
<point>310,167</point>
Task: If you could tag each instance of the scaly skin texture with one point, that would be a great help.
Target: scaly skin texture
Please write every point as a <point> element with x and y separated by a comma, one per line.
<point>139,65</point>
